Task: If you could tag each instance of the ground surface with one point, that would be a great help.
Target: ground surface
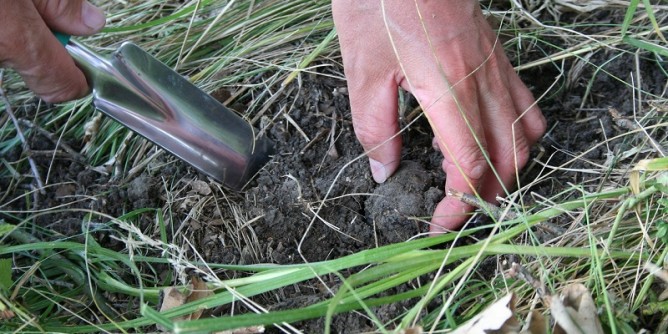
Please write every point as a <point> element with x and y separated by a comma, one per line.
<point>316,200</point>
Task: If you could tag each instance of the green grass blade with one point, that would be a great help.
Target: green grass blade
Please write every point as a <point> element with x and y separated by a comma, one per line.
<point>633,5</point>
<point>156,317</point>
<point>310,57</point>
<point>646,46</point>
<point>5,275</point>
<point>652,19</point>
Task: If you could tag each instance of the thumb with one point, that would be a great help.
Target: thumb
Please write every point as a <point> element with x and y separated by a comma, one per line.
<point>75,17</point>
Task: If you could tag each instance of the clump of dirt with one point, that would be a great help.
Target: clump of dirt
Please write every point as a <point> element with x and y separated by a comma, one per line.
<point>397,207</point>
<point>143,192</point>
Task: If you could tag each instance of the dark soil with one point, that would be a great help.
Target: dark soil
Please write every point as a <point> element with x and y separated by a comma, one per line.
<point>316,199</point>
<point>290,190</point>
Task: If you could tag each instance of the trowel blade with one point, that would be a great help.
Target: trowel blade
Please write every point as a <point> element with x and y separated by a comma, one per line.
<point>153,100</point>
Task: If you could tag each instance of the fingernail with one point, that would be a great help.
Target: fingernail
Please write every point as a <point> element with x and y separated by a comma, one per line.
<point>378,171</point>
<point>93,17</point>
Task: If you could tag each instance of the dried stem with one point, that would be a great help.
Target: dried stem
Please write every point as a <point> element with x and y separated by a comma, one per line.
<point>488,208</point>
<point>26,148</point>
<point>516,270</point>
<point>67,148</point>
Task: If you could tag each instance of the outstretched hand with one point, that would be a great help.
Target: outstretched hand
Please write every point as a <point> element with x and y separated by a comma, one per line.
<point>448,57</point>
<point>28,46</point>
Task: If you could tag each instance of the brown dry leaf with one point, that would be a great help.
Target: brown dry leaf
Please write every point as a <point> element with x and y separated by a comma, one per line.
<point>216,222</point>
<point>496,318</point>
<point>6,315</point>
<point>575,312</point>
<point>199,291</point>
<point>173,297</point>
<point>5,312</point>
<point>537,324</point>
<point>187,203</point>
<point>412,330</point>
<point>66,189</point>
<point>91,127</point>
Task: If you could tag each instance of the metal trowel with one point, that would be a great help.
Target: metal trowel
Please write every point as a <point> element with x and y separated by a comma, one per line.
<point>154,101</point>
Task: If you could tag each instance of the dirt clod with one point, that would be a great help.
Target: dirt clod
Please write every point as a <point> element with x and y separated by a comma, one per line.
<point>396,205</point>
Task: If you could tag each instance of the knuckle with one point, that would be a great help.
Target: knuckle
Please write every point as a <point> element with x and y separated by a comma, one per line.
<point>371,129</point>
<point>55,86</point>
<point>533,123</point>
<point>470,160</point>
<point>368,135</point>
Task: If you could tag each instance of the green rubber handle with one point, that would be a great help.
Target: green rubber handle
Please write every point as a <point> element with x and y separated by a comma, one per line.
<point>62,38</point>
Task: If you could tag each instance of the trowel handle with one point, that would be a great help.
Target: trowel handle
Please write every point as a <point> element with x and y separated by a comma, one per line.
<point>62,38</point>
<point>88,61</point>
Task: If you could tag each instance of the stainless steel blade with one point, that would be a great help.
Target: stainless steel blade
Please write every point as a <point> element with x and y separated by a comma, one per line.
<point>150,98</point>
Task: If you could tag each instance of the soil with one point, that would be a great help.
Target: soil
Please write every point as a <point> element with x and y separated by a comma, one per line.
<point>281,214</point>
<point>289,191</point>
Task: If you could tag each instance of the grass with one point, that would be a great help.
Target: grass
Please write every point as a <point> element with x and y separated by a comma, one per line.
<point>611,222</point>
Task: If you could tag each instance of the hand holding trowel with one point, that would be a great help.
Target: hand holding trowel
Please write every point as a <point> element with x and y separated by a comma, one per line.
<point>148,97</point>
<point>130,86</point>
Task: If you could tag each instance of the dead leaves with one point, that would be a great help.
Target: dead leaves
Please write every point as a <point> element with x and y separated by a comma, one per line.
<point>573,311</point>
<point>200,187</point>
<point>196,290</point>
<point>199,190</point>
<point>497,318</point>
<point>173,297</point>
<point>91,128</point>
<point>5,312</point>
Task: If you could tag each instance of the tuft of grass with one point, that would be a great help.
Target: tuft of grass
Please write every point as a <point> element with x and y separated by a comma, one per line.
<point>387,267</point>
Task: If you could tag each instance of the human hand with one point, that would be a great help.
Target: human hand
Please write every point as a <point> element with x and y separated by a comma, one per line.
<point>385,46</point>
<point>28,46</point>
